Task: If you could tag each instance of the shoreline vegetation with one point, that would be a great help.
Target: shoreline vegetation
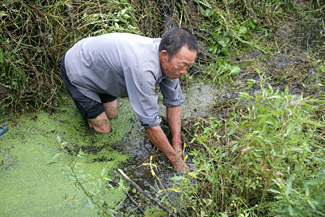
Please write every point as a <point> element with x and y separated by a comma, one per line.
<point>259,151</point>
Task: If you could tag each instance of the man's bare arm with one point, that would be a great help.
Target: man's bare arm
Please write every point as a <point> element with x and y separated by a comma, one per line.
<point>175,124</point>
<point>159,139</point>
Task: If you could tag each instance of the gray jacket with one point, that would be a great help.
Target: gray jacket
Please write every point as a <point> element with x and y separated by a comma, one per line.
<point>122,64</point>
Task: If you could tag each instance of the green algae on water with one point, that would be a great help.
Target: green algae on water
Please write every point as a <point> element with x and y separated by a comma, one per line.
<point>32,185</point>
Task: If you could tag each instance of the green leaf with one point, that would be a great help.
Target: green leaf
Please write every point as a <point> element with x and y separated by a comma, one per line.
<point>177,178</point>
<point>55,156</point>
<point>234,148</point>
<point>250,25</point>
<point>245,95</point>
<point>311,203</point>
<point>51,163</point>
<point>159,213</point>
<point>235,70</point>
<point>288,186</point>
<point>232,130</point>
<point>286,90</point>
<point>250,83</point>
<point>313,123</point>
<point>2,14</point>
<point>207,13</point>
<point>296,149</point>
<point>243,30</point>
<point>222,43</point>
<point>58,139</point>
<point>274,191</point>
<point>291,210</point>
<point>103,171</point>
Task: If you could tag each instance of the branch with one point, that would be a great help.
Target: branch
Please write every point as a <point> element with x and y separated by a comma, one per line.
<point>162,206</point>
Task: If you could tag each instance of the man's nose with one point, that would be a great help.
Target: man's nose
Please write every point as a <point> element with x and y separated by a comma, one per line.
<point>183,71</point>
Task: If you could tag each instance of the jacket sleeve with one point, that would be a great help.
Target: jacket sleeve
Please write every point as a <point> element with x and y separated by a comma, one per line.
<point>172,92</point>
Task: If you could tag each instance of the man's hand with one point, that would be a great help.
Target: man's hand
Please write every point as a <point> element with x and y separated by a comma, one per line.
<point>159,139</point>
<point>179,163</point>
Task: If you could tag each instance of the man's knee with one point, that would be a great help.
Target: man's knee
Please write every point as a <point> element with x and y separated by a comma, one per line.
<point>100,123</point>
<point>111,114</point>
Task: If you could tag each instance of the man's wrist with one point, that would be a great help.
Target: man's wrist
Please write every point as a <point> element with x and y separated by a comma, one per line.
<point>177,141</point>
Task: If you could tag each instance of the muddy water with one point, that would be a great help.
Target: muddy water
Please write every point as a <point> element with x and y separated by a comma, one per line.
<point>33,186</point>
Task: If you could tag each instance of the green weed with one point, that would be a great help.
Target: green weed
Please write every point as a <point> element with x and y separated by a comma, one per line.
<point>266,158</point>
<point>221,71</point>
<point>35,37</point>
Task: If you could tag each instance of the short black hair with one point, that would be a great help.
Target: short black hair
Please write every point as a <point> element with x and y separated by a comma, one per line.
<point>175,39</point>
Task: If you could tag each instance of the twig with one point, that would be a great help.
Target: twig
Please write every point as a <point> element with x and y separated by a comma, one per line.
<point>134,202</point>
<point>78,183</point>
<point>162,206</point>
<point>130,197</point>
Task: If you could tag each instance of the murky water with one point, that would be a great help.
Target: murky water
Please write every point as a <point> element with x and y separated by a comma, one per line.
<point>34,188</point>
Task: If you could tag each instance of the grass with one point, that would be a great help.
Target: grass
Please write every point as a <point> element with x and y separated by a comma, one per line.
<point>34,39</point>
<point>36,35</point>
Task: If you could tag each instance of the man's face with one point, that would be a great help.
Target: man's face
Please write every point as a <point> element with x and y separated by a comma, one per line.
<point>179,64</point>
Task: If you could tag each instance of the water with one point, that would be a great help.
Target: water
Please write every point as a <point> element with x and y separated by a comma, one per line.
<point>30,186</point>
<point>33,187</point>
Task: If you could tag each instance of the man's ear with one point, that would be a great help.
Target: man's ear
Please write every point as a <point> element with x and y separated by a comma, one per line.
<point>164,55</point>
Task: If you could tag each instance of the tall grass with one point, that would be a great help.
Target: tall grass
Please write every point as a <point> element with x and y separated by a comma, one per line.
<point>265,159</point>
<point>35,36</point>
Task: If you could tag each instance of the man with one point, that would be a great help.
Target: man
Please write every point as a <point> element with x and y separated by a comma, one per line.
<point>97,70</point>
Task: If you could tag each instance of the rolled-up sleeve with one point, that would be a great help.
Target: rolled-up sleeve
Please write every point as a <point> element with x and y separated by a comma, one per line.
<point>172,92</point>
<point>143,99</point>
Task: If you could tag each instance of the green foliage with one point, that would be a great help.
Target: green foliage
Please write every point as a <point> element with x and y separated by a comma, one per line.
<point>266,158</point>
<point>35,37</point>
<point>221,71</point>
<point>225,27</point>
<point>92,190</point>
<point>296,198</point>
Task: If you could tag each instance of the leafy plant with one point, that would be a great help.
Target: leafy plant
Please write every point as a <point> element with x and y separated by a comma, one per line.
<point>35,37</point>
<point>221,71</point>
<point>265,158</point>
<point>93,190</point>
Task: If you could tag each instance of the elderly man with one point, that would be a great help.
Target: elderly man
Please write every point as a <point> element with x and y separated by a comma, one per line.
<point>98,70</point>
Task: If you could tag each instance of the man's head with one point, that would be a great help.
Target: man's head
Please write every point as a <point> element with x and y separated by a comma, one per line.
<point>178,50</point>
